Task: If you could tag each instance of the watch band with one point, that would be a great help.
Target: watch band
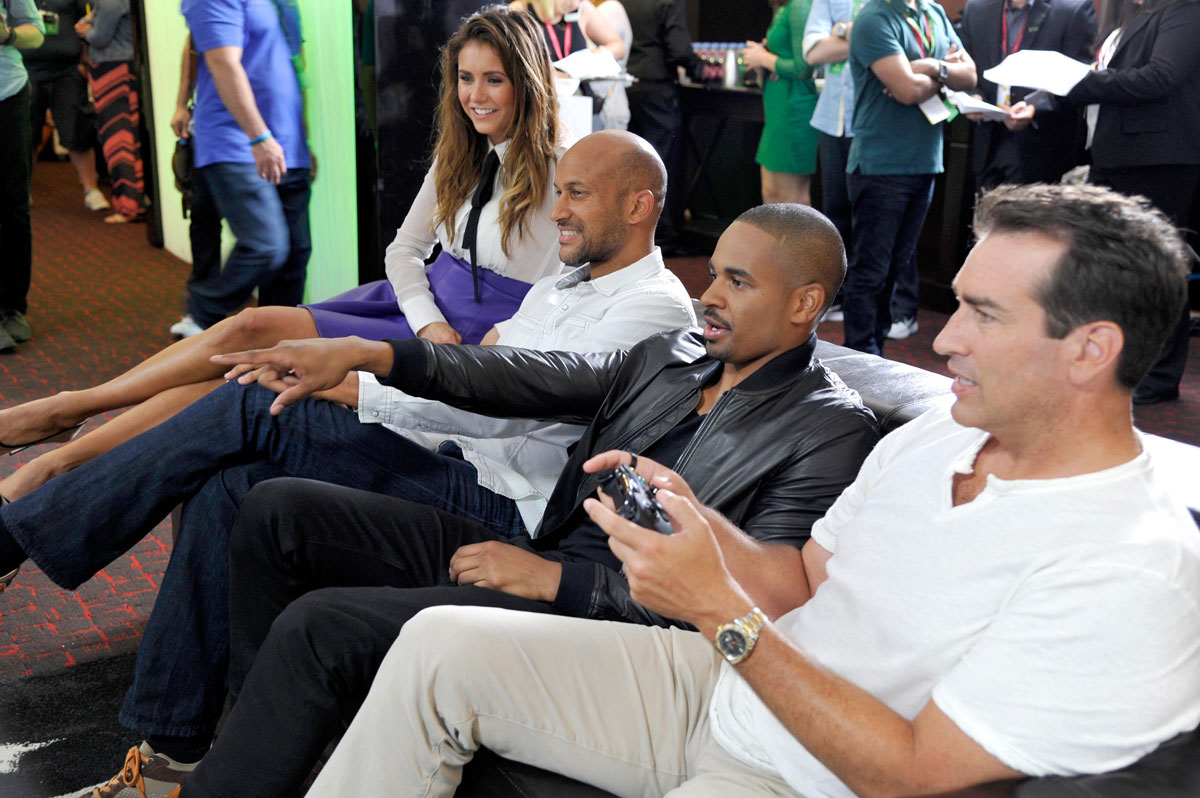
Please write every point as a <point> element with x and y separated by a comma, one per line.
<point>735,640</point>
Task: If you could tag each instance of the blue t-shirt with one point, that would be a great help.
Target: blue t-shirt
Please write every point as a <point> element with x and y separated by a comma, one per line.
<point>891,138</point>
<point>254,26</point>
<point>12,68</point>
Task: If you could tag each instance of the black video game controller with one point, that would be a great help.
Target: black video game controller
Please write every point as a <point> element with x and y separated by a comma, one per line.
<point>634,499</point>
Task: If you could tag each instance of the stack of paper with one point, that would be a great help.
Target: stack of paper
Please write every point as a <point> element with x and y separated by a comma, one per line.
<point>973,105</point>
<point>587,64</point>
<point>1039,69</point>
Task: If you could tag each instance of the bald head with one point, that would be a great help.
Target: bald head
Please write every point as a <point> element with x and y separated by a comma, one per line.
<point>808,248</point>
<point>628,160</point>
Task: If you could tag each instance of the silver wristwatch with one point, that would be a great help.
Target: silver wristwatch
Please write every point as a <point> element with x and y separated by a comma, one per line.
<point>735,640</point>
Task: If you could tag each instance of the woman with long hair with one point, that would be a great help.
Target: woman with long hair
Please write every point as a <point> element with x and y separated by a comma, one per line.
<point>787,150</point>
<point>1143,118</point>
<point>497,97</point>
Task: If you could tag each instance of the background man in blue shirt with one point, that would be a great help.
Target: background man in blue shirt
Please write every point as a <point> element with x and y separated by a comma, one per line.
<point>252,149</point>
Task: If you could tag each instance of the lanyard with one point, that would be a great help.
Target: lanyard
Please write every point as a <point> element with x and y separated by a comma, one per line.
<point>1004,30</point>
<point>925,35</point>
<point>558,48</point>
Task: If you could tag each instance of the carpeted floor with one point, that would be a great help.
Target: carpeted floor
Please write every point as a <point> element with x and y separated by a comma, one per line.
<point>102,301</point>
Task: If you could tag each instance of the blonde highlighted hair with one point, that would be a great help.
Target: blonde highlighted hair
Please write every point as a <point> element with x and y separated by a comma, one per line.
<point>534,131</point>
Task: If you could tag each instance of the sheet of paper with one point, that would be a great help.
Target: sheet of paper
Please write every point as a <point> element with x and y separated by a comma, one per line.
<point>589,64</point>
<point>934,109</point>
<point>970,105</point>
<point>1039,69</point>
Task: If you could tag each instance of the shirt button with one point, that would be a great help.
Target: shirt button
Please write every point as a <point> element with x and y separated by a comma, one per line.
<point>375,414</point>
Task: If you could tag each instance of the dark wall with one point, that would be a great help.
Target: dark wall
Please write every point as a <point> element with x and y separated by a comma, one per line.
<point>409,35</point>
<point>725,21</point>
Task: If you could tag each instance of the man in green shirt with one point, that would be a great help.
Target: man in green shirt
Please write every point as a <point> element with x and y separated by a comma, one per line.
<point>901,55</point>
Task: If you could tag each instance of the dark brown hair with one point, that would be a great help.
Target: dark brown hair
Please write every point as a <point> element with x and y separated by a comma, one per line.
<point>1124,262</point>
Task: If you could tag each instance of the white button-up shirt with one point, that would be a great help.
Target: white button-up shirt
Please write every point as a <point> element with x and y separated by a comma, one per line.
<point>522,458</point>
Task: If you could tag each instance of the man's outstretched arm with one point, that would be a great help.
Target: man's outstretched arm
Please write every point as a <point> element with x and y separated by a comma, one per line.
<point>871,748</point>
<point>296,369</point>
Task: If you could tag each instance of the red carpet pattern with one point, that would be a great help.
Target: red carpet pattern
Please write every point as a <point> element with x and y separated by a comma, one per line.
<point>102,300</point>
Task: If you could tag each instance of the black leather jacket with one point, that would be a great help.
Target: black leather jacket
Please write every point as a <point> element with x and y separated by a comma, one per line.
<point>772,455</point>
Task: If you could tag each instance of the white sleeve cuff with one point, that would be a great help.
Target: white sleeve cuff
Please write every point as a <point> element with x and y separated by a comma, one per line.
<point>420,311</point>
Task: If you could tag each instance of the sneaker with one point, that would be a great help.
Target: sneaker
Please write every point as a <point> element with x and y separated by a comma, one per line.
<point>902,328</point>
<point>94,200</point>
<point>6,340</point>
<point>146,775</point>
<point>16,325</point>
<point>834,314</point>
<point>186,327</point>
<point>7,579</point>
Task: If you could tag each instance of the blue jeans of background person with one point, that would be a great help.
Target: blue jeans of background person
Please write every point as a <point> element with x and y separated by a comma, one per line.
<point>209,455</point>
<point>887,214</point>
<point>16,234</point>
<point>270,224</point>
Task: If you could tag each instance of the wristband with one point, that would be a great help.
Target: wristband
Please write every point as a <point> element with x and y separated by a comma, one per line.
<point>12,36</point>
<point>260,139</point>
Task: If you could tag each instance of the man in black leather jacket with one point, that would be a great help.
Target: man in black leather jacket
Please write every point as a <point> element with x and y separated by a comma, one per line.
<point>764,432</point>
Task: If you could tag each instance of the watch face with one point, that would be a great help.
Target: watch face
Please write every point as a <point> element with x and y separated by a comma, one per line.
<point>732,643</point>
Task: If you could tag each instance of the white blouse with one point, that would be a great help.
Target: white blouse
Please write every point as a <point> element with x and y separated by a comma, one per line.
<point>534,255</point>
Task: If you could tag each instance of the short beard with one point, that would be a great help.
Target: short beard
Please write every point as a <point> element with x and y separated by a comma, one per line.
<point>599,248</point>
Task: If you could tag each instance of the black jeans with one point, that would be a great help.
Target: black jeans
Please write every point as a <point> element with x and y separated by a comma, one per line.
<point>16,235</point>
<point>655,115</point>
<point>1171,189</point>
<point>322,578</point>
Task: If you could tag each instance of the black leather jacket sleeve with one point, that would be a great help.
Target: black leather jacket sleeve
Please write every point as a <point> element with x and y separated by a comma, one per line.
<point>504,381</point>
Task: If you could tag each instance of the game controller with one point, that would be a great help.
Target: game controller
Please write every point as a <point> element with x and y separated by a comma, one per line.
<point>634,499</point>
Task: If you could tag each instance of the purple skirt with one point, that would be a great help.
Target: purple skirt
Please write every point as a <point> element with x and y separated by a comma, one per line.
<point>370,311</point>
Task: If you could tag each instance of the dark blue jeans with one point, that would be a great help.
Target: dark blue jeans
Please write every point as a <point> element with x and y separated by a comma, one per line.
<point>887,214</point>
<point>209,455</point>
<point>270,224</point>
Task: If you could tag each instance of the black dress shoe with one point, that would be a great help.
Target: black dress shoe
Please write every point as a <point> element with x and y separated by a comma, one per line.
<point>1150,396</point>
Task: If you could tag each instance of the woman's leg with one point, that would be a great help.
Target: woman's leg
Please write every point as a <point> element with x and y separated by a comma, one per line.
<point>183,363</point>
<point>134,421</point>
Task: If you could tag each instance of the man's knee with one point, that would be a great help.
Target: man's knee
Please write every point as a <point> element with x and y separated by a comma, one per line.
<point>268,508</point>
<point>324,633</point>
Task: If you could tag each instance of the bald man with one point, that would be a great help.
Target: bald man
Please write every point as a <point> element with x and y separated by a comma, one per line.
<point>498,473</point>
<point>324,577</point>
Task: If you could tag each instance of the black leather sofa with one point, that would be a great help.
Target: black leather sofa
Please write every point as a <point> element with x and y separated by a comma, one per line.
<point>898,393</point>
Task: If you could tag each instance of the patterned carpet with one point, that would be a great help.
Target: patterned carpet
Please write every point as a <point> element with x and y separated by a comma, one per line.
<point>102,300</point>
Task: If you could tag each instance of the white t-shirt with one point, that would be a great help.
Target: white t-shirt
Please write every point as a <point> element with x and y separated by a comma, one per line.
<point>533,255</point>
<point>522,458</point>
<point>1056,622</point>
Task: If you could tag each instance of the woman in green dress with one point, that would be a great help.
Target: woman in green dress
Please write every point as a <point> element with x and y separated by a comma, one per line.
<point>787,151</point>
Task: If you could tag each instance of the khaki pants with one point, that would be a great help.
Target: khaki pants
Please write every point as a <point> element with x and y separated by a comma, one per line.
<point>620,706</point>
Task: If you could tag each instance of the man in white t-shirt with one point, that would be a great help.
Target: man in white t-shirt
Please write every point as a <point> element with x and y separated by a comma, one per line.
<point>1007,589</point>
